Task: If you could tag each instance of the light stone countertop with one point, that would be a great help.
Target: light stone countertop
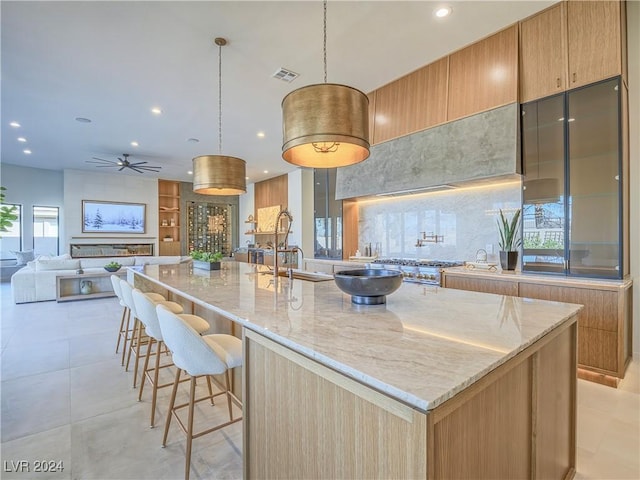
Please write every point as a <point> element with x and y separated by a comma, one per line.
<point>561,280</point>
<point>424,346</point>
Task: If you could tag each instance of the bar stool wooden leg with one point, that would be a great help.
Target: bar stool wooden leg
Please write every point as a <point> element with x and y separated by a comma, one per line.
<point>210,390</point>
<point>124,314</point>
<point>145,367</point>
<point>228,385</point>
<point>154,395</point>
<point>137,354</point>
<point>126,336</point>
<point>132,340</point>
<point>192,396</point>
<point>172,402</point>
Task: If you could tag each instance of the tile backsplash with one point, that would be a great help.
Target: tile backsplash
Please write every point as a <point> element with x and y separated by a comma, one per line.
<point>464,217</point>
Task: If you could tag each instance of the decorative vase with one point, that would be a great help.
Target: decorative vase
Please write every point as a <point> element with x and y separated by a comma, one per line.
<point>206,265</point>
<point>86,286</point>
<point>508,260</point>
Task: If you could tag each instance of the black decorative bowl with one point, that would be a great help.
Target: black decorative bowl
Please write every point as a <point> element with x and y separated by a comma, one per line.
<point>368,286</point>
<point>112,269</point>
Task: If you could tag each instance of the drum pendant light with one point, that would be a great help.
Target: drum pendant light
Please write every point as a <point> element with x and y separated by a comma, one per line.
<point>219,174</point>
<point>325,125</point>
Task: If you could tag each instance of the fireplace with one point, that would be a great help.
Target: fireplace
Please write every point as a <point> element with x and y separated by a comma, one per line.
<point>110,250</point>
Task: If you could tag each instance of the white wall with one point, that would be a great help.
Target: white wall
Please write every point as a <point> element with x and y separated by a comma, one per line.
<point>83,185</point>
<point>31,187</point>
<point>246,207</point>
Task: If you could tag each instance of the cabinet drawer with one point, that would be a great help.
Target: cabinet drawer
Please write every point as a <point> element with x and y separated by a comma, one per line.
<point>481,285</point>
<point>600,306</point>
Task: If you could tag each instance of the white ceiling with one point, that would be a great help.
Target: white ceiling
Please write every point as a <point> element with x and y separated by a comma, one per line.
<point>113,61</point>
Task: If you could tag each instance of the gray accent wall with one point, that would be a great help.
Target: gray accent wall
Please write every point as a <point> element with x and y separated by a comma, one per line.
<point>477,147</point>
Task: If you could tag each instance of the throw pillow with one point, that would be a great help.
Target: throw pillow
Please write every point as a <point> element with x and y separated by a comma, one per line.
<point>23,257</point>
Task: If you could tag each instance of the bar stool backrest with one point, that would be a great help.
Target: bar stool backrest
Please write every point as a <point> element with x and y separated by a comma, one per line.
<point>127,296</point>
<point>190,351</point>
<point>115,283</point>
<point>146,310</point>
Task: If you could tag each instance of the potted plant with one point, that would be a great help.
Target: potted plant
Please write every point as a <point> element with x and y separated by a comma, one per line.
<point>509,240</point>
<point>206,260</point>
<point>112,267</point>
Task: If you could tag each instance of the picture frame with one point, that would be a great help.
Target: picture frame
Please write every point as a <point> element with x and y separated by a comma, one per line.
<point>113,217</point>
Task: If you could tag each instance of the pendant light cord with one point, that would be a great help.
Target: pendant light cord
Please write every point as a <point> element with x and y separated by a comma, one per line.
<point>220,99</point>
<point>324,45</point>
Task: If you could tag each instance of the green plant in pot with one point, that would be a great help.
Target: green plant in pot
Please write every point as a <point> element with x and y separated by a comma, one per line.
<point>112,267</point>
<point>509,240</point>
<point>206,260</point>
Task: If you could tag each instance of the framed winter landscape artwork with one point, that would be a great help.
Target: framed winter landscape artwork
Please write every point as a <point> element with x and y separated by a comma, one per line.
<point>112,217</point>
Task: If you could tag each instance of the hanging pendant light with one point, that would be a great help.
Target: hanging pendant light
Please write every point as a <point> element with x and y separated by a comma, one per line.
<point>325,125</point>
<point>219,174</point>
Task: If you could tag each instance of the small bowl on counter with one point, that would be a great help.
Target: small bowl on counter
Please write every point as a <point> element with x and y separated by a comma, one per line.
<point>368,286</point>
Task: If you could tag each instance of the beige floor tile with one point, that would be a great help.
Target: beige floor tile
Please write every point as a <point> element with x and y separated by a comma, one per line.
<point>35,404</point>
<point>21,359</point>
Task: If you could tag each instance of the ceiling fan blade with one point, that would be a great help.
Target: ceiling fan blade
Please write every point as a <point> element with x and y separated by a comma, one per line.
<point>105,166</point>
<point>150,169</point>
<point>136,170</point>
<point>122,168</point>
<point>100,160</point>
<point>137,163</point>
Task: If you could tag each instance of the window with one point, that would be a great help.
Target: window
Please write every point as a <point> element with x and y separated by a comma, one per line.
<point>12,238</point>
<point>328,215</point>
<point>45,230</point>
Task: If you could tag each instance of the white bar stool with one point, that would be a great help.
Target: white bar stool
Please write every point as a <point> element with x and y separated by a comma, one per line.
<point>146,311</point>
<point>198,355</point>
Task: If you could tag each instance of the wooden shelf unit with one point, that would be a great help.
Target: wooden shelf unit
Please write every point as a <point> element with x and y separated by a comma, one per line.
<point>68,286</point>
<point>169,217</point>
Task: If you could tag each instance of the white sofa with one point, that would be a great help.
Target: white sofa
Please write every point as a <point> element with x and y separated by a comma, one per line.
<point>36,282</point>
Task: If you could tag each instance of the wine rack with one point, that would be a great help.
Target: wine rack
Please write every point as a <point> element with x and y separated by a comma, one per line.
<point>209,227</point>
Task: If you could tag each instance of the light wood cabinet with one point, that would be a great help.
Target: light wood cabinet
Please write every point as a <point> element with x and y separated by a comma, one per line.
<point>543,54</point>
<point>571,44</point>
<point>484,75</point>
<point>594,40</point>
<point>169,217</point>
<point>604,337</point>
<point>412,103</point>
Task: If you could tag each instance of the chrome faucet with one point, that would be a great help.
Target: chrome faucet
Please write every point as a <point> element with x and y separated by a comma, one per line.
<point>282,213</point>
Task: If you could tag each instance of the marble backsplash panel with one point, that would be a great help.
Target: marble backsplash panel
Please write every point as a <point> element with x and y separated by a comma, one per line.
<point>465,217</point>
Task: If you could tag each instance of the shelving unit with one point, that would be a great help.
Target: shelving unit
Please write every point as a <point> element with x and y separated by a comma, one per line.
<point>169,217</point>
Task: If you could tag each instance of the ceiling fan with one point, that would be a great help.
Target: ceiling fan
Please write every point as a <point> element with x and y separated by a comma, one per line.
<point>124,163</point>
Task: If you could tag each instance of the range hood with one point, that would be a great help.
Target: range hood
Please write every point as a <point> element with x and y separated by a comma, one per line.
<point>480,147</point>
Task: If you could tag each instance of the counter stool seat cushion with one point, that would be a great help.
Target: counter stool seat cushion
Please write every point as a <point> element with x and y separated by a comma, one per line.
<point>227,347</point>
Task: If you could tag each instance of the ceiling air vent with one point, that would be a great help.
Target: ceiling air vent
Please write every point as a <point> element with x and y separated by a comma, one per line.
<point>285,75</point>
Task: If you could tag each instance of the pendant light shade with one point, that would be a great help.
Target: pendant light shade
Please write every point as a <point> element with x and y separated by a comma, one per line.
<point>325,126</point>
<point>219,175</point>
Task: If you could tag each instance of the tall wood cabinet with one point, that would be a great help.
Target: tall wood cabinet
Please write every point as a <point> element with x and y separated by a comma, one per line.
<point>169,217</point>
<point>571,44</point>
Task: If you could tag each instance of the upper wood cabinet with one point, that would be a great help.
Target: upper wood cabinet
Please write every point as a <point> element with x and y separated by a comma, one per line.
<point>484,75</point>
<point>569,45</point>
<point>595,40</point>
<point>411,103</point>
<point>543,54</point>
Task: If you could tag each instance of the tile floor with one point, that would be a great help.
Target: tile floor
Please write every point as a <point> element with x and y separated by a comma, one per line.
<point>66,398</point>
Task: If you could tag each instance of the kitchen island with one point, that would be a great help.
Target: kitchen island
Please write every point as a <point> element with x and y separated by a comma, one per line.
<point>436,383</point>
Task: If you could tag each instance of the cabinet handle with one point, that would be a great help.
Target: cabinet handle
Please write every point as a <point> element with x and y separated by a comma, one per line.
<point>558,82</point>
<point>574,77</point>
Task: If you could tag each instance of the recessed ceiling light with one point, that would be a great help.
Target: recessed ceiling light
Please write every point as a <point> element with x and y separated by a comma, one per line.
<point>266,171</point>
<point>246,178</point>
<point>83,120</point>
<point>260,134</point>
<point>156,111</point>
<point>442,12</point>
<point>27,151</point>
<point>190,172</point>
<point>561,119</point>
<point>192,140</point>
<point>134,144</point>
<point>15,124</point>
<point>22,139</point>
<point>571,120</point>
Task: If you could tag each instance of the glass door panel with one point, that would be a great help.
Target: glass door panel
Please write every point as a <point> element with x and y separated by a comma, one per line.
<point>594,181</point>
<point>543,213</point>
